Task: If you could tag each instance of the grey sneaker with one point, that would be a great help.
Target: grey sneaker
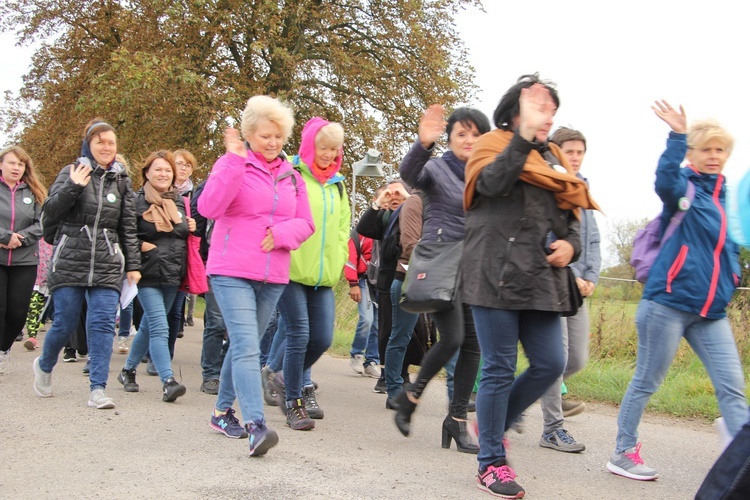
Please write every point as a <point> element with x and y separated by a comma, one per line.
<point>210,386</point>
<point>311,403</point>
<point>100,401</point>
<point>269,394</point>
<point>42,381</point>
<point>356,363</point>
<point>571,408</point>
<point>630,464</point>
<point>372,370</point>
<point>4,361</point>
<point>561,440</point>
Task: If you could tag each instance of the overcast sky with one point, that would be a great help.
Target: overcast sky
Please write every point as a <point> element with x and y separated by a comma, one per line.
<point>610,61</point>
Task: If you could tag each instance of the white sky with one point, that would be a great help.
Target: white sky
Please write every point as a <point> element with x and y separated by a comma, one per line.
<point>610,62</point>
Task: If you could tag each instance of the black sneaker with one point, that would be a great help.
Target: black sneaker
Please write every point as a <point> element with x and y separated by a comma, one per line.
<point>172,390</point>
<point>87,367</point>
<point>19,337</point>
<point>380,386</point>
<point>499,480</point>
<point>311,403</point>
<point>69,355</point>
<point>297,417</point>
<point>127,379</point>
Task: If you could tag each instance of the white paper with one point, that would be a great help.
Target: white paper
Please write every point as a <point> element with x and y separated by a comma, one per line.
<point>128,293</point>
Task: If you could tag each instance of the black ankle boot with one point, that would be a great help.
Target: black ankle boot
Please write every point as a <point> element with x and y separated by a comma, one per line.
<point>456,430</point>
<point>405,408</point>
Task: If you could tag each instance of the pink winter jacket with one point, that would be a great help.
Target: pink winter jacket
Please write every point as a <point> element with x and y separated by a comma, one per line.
<point>245,200</point>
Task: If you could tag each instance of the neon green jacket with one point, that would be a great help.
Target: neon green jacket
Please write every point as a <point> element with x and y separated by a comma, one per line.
<point>321,258</point>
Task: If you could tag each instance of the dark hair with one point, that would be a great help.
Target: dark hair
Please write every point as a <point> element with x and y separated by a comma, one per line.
<point>96,127</point>
<point>468,117</point>
<point>402,182</point>
<point>565,134</point>
<point>508,108</point>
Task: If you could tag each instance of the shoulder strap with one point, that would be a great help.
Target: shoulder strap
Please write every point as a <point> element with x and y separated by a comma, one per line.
<point>357,246</point>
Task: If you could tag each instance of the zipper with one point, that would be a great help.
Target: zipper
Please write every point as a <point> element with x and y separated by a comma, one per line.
<point>12,217</point>
<point>674,270</point>
<point>504,270</point>
<point>58,250</point>
<point>96,226</point>
<point>717,249</point>
<point>109,243</point>
<point>323,233</point>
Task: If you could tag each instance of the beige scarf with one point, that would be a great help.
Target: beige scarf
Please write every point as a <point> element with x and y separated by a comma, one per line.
<point>163,211</point>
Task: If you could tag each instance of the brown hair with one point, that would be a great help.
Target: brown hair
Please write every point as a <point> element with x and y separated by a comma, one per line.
<point>29,174</point>
<point>187,155</point>
<point>95,127</point>
<point>164,155</point>
<point>565,134</point>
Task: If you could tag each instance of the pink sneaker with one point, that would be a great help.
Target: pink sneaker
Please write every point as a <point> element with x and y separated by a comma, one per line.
<point>31,344</point>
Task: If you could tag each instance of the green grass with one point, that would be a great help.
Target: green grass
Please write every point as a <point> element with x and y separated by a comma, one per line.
<point>686,392</point>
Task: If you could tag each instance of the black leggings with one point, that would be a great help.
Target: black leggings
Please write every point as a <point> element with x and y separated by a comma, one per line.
<point>456,331</point>
<point>16,285</point>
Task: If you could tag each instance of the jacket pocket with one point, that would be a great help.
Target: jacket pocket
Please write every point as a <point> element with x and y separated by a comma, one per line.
<point>676,267</point>
<point>58,250</point>
<point>506,260</point>
<point>149,263</point>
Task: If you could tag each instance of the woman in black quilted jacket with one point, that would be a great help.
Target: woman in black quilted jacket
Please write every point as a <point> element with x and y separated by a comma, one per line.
<point>91,216</point>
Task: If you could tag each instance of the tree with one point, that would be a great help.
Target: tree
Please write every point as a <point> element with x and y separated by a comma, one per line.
<point>174,74</point>
<point>622,235</point>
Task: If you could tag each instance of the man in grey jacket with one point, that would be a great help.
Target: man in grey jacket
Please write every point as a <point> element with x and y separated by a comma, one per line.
<point>575,328</point>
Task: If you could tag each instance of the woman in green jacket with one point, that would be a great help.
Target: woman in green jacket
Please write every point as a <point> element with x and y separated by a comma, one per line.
<point>307,304</point>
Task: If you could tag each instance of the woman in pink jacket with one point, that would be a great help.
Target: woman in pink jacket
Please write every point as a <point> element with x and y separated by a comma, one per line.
<point>259,204</point>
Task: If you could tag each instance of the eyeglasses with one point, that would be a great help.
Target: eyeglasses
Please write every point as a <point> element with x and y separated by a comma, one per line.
<point>182,164</point>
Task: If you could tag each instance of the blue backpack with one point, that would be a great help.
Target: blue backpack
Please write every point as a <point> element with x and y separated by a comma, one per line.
<point>649,240</point>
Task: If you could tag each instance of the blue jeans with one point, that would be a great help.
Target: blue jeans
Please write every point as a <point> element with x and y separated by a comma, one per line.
<point>366,336</point>
<point>100,328</point>
<point>308,314</point>
<point>176,319</point>
<point>126,320</point>
<point>213,338</point>
<point>266,340</point>
<point>660,329</point>
<point>246,306</point>
<point>401,331</point>
<point>730,475</point>
<point>153,332</point>
<point>502,397</point>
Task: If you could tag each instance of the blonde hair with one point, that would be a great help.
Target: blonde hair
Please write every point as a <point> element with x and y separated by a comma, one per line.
<point>331,134</point>
<point>263,107</point>
<point>701,132</point>
<point>29,174</point>
<point>187,155</point>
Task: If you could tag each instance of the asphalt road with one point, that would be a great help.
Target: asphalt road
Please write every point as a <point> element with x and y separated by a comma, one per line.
<point>144,448</point>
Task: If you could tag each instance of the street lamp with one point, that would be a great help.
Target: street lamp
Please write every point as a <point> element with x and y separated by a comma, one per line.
<point>369,166</point>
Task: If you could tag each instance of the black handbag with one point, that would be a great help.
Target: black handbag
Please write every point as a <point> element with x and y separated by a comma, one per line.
<point>432,277</point>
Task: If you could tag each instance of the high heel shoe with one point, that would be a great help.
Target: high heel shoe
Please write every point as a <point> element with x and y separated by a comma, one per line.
<point>456,430</point>
<point>403,414</point>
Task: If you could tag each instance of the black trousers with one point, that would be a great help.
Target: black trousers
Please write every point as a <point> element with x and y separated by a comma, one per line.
<point>16,286</point>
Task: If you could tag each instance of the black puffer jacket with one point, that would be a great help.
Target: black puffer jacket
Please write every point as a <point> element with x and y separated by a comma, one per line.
<point>96,238</point>
<point>504,264</point>
<point>165,264</point>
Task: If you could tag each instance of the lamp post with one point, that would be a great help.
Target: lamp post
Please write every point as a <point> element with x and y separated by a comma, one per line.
<point>369,166</point>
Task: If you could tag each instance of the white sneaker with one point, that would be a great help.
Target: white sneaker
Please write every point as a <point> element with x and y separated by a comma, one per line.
<point>724,437</point>
<point>372,370</point>
<point>42,381</point>
<point>357,363</point>
<point>122,345</point>
<point>4,361</point>
<point>100,401</point>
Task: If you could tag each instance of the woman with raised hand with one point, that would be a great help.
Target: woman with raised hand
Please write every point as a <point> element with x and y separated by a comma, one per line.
<point>307,305</point>
<point>688,287</point>
<point>259,204</point>
<point>441,181</point>
<point>522,204</point>
<point>163,228</point>
<point>21,198</point>
<point>91,213</point>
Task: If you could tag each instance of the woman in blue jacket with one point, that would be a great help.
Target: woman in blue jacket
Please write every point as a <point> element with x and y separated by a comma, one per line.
<point>688,288</point>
